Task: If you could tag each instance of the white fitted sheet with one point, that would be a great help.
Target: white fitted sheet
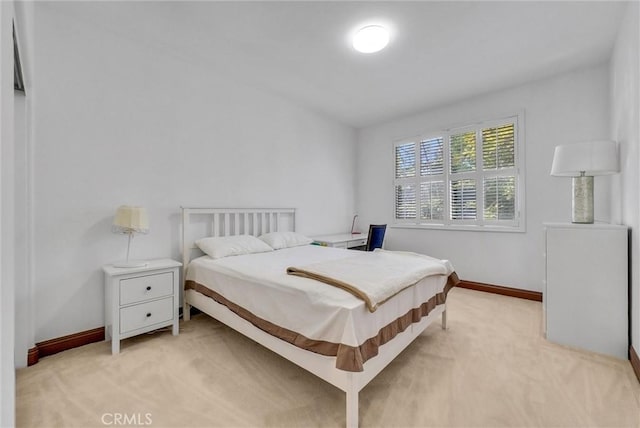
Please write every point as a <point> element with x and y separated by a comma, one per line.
<point>259,283</point>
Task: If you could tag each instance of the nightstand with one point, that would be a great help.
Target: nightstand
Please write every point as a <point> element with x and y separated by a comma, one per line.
<point>341,240</point>
<point>139,300</point>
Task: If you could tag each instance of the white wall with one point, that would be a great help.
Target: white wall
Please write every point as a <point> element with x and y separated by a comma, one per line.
<point>563,109</point>
<point>117,121</point>
<point>625,128</point>
<point>7,272</point>
<point>22,292</point>
<point>21,202</point>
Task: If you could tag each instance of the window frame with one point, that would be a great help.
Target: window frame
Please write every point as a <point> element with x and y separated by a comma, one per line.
<point>479,175</point>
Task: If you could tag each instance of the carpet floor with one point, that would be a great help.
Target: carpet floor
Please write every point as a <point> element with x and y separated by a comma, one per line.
<point>490,368</point>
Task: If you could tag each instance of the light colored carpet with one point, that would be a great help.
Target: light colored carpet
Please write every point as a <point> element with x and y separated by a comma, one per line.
<point>491,368</point>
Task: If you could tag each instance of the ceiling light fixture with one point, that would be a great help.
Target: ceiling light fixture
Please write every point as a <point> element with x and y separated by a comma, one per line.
<point>371,38</point>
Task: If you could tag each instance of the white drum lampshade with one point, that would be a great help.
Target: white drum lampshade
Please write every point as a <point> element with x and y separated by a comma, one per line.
<point>129,220</point>
<point>582,161</point>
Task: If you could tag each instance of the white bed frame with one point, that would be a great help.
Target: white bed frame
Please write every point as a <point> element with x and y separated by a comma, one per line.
<point>227,222</point>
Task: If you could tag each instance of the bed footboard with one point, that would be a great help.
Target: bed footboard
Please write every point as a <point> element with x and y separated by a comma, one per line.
<point>323,367</point>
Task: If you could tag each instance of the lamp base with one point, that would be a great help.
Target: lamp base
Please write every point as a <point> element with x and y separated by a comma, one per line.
<point>130,264</point>
<point>582,202</point>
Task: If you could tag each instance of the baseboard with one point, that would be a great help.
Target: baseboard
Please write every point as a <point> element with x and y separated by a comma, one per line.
<point>59,344</point>
<point>32,356</point>
<point>53,346</point>
<point>635,361</point>
<point>498,289</point>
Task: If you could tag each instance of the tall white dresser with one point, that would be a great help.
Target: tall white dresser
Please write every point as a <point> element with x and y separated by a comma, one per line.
<point>586,286</point>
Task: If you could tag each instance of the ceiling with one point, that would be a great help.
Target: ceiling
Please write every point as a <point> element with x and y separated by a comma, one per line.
<point>440,51</point>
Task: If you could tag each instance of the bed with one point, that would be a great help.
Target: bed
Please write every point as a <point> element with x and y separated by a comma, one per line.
<point>325,330</point>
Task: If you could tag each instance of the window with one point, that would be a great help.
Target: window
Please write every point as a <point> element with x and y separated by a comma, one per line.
<point>468,176</point>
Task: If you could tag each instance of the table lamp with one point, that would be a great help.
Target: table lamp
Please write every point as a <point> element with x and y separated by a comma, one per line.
<point>130,220</point>
<point>582,161</point>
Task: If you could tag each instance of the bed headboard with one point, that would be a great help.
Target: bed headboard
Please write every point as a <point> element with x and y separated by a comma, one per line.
<point>202,222</point>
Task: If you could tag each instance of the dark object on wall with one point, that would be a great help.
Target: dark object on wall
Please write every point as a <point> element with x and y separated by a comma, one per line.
<point>374,239</point>
<point>376,236</point>
<point>18,79</point>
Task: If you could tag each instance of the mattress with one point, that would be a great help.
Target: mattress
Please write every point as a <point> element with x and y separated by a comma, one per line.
<point>308,313</point>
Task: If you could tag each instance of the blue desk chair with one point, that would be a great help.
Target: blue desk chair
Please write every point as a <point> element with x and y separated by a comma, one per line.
<point>376,236</point>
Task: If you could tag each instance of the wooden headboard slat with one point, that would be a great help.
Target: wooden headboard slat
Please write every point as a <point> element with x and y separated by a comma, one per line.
<point>232,221</point>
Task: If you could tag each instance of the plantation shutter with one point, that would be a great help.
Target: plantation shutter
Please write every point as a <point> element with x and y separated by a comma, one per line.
<point>462,191</point>
<point>462,148</point>
<point>406,202</point>
<point>467,178</point>
<point>432,197</point>
<point>498,147</point>
<point>499,198</point>
<point>406,198</point>
<point>432,157</point>
<point>498,154</point>
<point>406,160</point>
<point>463,199</point>
<point>432,200</point>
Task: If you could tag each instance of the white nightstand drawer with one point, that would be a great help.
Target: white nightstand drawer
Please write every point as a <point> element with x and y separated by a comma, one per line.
<point>146,314</point>
<point>358,242</point>
<point>146,287</point>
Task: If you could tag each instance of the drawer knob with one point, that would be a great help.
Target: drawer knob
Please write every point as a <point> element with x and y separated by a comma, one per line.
<point>148,314</point>
<point>148,288</point>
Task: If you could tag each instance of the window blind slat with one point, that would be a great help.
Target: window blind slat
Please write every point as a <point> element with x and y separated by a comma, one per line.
<point>463,199</point>
<point>498,147</point>
<point>432,200</point>
<point>432,156</point>
<point>462,152</point>
<point>406,202</point>
<point>406,160</point>
<point>499,198</point>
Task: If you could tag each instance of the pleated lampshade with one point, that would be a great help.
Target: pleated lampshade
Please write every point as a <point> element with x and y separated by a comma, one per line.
<point>131,219</point>
<point>589,158</point>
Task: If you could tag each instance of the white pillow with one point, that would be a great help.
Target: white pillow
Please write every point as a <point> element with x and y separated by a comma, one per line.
<point>279,240</point>
<point>223,246</point>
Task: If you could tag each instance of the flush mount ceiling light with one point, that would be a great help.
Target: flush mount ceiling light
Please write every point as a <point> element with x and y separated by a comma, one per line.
<point>371,38</point>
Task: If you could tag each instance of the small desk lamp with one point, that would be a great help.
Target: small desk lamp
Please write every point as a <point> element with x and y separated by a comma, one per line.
<point>130,220</point>
<point>353,225</point>
<point>582,161</point>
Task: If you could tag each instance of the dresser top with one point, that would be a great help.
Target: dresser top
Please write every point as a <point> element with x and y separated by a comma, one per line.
<point>151,265</point>
<point>593,226</point>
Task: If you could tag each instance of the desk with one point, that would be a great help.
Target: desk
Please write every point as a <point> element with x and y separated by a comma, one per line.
<point>341,240</point>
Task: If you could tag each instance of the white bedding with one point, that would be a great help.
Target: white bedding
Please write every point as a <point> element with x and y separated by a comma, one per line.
<point>259,283</point>
<point>374,277</point>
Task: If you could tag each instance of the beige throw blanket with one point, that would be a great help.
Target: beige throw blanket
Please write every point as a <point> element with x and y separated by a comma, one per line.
<point>374,277</point>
